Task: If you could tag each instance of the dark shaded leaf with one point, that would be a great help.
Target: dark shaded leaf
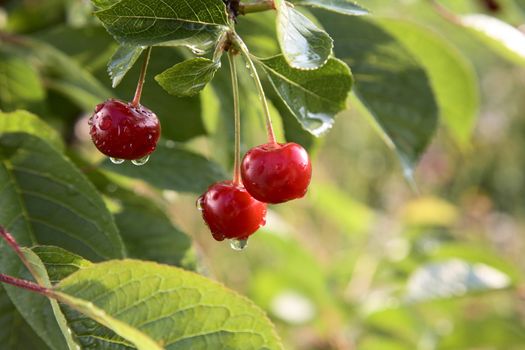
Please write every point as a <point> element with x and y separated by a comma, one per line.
<point>173,167</point>
<point>390,83</point>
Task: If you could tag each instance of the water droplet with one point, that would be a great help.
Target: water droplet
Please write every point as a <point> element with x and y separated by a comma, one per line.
<point>197,51</point>
<point>106,123</point>
<point>198,203</point>
<point>140,161</point>
<point>116,160</point>
<point>238,244</point>
<point>150,136</point>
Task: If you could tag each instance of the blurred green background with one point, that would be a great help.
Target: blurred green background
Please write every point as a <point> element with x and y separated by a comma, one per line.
<point>363,261</point>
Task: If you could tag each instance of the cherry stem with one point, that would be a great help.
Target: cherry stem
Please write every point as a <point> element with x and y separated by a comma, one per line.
<point>28,285</point>
<point>16,248</point>
<point>259,6</point>
<point>237,117</point>
<point>260,90</point>
<point>138,92</point>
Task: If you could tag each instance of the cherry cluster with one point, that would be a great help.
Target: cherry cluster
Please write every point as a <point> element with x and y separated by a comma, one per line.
<point>271,173</point>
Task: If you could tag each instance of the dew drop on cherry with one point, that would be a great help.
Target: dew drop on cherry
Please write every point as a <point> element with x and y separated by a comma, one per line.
<point>105,123</point>
<point>140,161</point>
<point>238,244</point>
<point>116,160</point>
<point>198,203</point>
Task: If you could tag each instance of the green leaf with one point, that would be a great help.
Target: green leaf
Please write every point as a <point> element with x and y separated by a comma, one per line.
<point>173,167</point>
<point>133,336</point>
<point>504,39</point>
<point>46,200</point>
<point>122,61</point>
<point>163,243</point>
<point>453,278</point>
<point>177,308</point>
<point>15,333</point>
<point>390,83</point>
<point>451,75</point>
<point>188,78</point>
<point>42,314</point>
<point>345,7</point>
<point>25,122</point>
<point>43,279</point>
<point>171,22</point>
<point>20,84</point>
<point>314,97</point>
<point>58,262</point>
<point>303,44</point>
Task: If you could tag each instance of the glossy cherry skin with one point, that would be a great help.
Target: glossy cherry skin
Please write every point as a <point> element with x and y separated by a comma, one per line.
<point>276,173</point>
<point>230,211</point>
<point>121,130</point>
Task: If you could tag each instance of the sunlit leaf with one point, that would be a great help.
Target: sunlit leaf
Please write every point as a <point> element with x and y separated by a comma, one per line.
<point>505,39</point>
<point>176,308</point>
<point>188,78</point>
<point>303,44</point>
<point>314,97</point>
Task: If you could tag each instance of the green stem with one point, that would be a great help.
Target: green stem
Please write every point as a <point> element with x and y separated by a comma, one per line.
<point>244,50</point>
<point>259,6</point>
<point>237,118</point>
<point>138,92</point>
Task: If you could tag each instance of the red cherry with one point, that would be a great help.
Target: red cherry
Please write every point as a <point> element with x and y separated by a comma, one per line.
<point>121,130</point>
<point>276,173</point>
<point>230,211</point>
